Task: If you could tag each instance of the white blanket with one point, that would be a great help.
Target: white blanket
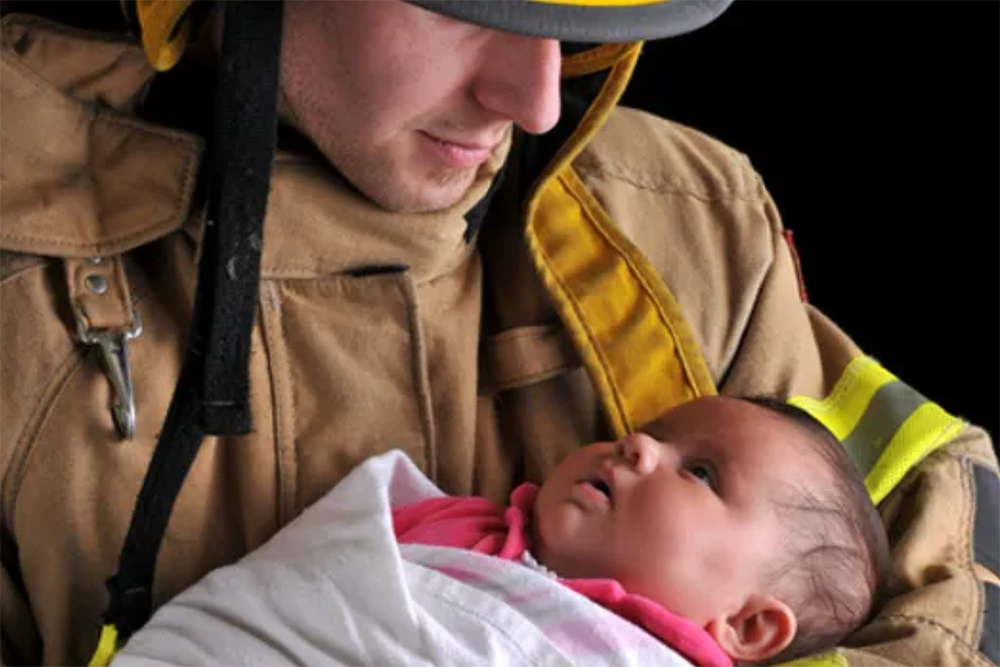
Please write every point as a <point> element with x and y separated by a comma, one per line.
<point>334,588</point>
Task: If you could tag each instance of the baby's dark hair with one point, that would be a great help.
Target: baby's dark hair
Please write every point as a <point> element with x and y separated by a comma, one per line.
<point>837,565</point>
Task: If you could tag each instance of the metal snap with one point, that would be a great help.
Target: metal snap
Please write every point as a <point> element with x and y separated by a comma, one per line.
<point>96,283</point>
<point>94,261</point>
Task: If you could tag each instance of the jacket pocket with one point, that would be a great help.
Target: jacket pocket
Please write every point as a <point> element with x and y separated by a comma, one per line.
<point>357,368</point>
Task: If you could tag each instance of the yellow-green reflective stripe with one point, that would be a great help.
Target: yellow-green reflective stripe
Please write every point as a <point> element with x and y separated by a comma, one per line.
<point>927,428</point>
<point>843,408</point>
<point>892,403</point>
<point>886,426</point>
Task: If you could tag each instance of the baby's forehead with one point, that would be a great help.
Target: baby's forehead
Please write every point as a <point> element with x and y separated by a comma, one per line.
<point>768,438</point>
<point>730,420</point>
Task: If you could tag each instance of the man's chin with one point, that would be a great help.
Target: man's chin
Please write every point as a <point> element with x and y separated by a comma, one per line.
<point>426,197</point>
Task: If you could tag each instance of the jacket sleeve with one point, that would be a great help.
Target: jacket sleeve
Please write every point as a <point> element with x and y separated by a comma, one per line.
<point>941,517</point>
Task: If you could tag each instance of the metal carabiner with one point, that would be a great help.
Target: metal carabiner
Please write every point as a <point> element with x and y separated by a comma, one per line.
<point>114,356</point>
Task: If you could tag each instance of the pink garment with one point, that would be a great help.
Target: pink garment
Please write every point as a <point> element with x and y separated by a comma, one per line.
<point>479,525</point>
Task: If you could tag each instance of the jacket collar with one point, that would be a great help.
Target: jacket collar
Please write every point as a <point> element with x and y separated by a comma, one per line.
<point>75,180</point>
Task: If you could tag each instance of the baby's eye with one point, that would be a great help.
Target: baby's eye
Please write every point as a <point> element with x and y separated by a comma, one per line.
<point>703,473</point>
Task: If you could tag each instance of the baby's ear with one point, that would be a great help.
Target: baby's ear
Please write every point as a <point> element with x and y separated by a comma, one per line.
<point>760,630</point>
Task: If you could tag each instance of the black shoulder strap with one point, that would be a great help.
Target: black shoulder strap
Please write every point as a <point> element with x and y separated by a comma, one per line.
<point>212,394</point>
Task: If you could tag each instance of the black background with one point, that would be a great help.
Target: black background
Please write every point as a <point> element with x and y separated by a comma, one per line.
<point>875,127</point>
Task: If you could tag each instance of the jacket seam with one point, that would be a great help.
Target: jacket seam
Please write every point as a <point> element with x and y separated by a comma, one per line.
<point>39,264</point>
<point>726,366</point>
<point>25,445</point>
<point>919,619</point>
<point>668,187</point>
<point>287,492</point>
<point>421,381</point>
<point>970,627</point>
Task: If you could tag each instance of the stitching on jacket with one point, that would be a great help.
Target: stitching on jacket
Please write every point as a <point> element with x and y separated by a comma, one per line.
<point>728,365</point>
<point>746,183</point>
<point>969,627</point>
<point>285,477</point>
<point>664,185</point>
<point>418,365</point>
<point>189,168</point>
<point>532,378</point>
<point>26,441</point>
<point>40,263</point>
<point>923,620</point>
<point>10,487</point>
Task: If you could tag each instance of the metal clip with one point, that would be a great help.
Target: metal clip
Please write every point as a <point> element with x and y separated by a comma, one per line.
<point>114,355</point>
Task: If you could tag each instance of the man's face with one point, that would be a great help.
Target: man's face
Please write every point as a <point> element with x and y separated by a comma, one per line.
<point>405,103</point>
<point>682,513</point>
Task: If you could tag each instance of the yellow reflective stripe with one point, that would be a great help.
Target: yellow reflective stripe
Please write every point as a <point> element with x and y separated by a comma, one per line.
<point>925,430</point>
<point>892,404</point>
<point>161,40</point>
<point>625,323</point>
<point>600,3</point>
<point>107,645</point>
<point>885,425</point>
<point>843,408</point>
<point>824,660</point>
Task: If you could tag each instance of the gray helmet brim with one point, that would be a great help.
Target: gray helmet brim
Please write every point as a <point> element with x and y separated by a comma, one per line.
<point>575,23</point>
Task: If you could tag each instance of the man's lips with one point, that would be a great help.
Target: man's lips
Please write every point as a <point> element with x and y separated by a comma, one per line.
<point>458,154</point>
<point>466,145</point>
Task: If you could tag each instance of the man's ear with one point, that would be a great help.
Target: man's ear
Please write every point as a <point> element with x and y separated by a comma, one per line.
<point>760,630</point>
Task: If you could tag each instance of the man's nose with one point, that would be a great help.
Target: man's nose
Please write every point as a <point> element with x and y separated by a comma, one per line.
<point>640,451</point>
<point>520,81</point>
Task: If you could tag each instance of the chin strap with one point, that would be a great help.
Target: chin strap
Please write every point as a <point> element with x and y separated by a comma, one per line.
<point>212,395</point>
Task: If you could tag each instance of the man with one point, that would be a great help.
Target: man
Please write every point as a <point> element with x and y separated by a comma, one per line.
<point>467,254</point>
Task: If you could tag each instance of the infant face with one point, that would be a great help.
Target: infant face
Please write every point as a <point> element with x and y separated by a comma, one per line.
<point>682,512</point>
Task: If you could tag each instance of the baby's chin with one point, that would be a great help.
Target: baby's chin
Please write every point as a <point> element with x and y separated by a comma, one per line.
<point>555,534</point>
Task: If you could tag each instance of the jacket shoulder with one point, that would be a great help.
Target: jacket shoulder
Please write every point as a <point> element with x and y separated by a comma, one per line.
<point>654,153</point>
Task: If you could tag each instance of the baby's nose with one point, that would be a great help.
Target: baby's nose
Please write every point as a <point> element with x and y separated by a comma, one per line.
<point>639,451</point>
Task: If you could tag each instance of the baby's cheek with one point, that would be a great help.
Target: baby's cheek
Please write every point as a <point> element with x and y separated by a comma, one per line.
<point>556,526</point>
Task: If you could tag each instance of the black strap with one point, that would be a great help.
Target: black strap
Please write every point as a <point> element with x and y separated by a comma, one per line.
<point>212,394</point>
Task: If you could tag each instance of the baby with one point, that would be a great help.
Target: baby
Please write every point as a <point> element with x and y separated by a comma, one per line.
<point>730,530</point>
<point>743,516</point>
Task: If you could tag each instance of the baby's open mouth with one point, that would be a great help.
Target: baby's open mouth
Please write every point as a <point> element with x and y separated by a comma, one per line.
<point>600,485</point>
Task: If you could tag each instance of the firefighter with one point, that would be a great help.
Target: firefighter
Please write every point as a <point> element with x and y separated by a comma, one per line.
<point>252,243</point>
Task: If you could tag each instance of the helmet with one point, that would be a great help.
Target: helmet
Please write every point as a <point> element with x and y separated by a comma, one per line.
<point>166,24</point>
<point>584,20</point>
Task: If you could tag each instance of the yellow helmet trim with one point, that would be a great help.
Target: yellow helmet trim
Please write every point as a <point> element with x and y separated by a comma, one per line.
<point>165,30</point>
